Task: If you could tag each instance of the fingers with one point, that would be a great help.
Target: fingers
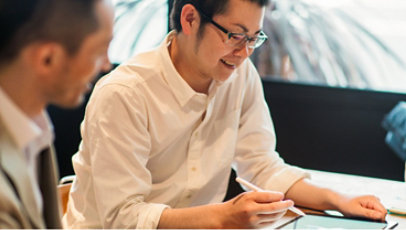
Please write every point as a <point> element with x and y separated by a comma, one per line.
<point>270,206</point>
<point>269,202</point>
<point>373,202</point>
<point>266,219</point>
<point>258,208</point>
<point>269,213</point>
<point>374,208</point>
<point>274,207</point>
<point>375,215</point>
<point>366,206</point>
<point>267,197</point>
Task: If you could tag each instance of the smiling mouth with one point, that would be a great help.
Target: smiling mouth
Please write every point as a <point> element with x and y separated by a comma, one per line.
<point>228,64</point>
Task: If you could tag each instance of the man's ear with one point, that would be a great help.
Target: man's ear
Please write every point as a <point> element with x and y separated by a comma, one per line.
<point>189,19</point>
<point>46,58</point>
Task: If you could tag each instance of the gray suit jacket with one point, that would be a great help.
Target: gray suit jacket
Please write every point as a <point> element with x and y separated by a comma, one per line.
<point>17,202</point>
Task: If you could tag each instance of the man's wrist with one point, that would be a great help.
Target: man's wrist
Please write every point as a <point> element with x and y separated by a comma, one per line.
<point>334,199</point>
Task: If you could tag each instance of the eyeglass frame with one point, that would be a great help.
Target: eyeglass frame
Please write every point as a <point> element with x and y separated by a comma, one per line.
<point>247,39</point>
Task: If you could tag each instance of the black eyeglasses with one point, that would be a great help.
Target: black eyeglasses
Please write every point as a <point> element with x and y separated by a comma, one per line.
<point>237,39</point>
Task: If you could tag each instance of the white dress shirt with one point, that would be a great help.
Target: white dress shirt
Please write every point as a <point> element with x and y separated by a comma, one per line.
<point>31,136</point>
<point>150,142</point>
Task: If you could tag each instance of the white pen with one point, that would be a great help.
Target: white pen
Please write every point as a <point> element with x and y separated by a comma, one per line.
<point>256,188</point>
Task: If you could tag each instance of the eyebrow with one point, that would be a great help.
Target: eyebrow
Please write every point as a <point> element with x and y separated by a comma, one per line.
<point>245,28</point>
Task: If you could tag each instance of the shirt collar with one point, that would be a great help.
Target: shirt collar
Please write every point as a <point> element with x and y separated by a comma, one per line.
<point>180,88</point>
<point>24,131</point>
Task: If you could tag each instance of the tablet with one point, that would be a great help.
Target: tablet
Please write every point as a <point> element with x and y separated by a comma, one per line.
<point>312,221</point>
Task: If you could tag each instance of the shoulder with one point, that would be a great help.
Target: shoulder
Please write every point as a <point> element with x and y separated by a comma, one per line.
<point>6,140</point>
<point>11,216</point>
<point>136,73</point>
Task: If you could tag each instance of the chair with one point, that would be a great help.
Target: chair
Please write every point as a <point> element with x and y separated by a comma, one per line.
<point>64,186</point>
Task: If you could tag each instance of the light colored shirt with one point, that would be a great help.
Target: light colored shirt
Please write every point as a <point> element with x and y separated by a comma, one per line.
<point>31,136</point>
<point>150,142</point>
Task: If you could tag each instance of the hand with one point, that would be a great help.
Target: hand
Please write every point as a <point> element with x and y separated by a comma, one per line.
<point>254,209</point>
<point>367,206</point>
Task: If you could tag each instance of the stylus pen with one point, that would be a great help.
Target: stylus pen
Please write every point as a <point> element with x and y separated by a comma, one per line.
<point>256,188</point>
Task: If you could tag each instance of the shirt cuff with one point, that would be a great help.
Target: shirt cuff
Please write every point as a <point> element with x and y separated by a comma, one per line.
<point>149,217</point>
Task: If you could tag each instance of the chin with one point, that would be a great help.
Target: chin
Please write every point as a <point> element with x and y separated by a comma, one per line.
<point>223,78</point>
<point>70,103</point>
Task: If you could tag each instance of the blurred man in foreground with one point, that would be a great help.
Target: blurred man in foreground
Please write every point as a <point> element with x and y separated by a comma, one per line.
<point>49,52</point>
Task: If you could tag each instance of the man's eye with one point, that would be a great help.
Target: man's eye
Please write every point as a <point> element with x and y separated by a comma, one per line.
<point>237,37</point>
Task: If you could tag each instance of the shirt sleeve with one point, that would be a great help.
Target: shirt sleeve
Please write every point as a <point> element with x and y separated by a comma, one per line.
<point>256,158</point>
<point>115,135</point>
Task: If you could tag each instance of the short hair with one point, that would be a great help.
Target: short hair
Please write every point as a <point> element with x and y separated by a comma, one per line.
<point>23,22</point>
<point>209,7</point>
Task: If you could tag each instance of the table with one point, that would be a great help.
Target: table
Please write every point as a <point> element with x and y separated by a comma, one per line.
<point>392,193</point>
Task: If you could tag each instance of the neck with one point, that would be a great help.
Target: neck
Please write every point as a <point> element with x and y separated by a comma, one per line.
<point>22,90</point>
<point>179,55</point>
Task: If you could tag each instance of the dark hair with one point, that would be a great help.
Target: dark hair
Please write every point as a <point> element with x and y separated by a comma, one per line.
<point>209,7</point>
<point>23,22</point>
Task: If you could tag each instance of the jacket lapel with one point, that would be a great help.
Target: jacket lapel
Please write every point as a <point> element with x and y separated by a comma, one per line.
<point>14,164</point>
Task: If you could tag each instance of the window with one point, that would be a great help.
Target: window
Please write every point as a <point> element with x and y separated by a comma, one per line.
<point>139,25</point>
<point>348,43</point>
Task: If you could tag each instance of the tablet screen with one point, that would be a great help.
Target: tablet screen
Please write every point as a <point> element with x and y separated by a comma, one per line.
<point>319,222</point>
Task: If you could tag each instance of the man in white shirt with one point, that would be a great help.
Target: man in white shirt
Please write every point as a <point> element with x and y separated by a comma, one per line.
<point>163,130</point>
<point>49,52</point>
